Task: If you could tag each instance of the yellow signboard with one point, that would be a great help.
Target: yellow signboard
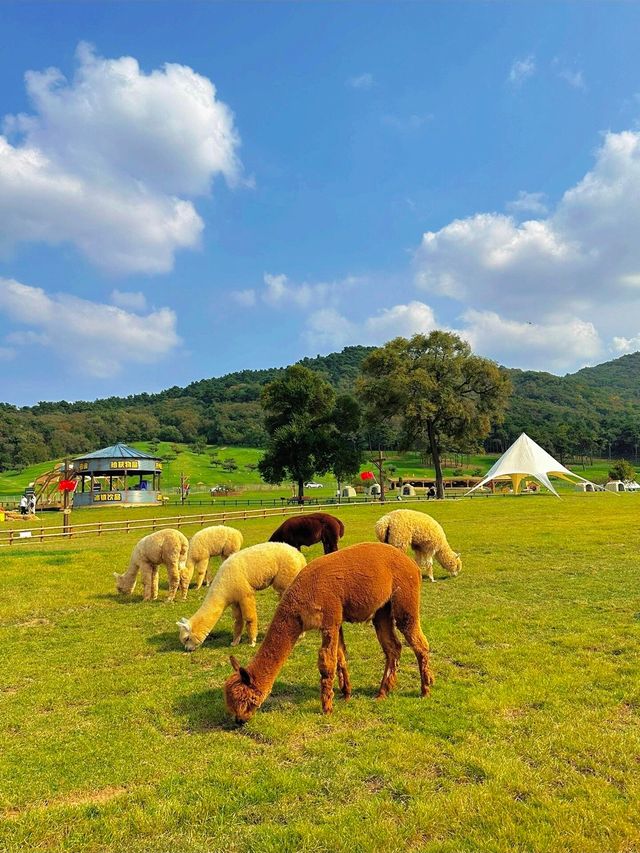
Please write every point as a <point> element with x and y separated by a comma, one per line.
<point>107,497</point>
<point>126,463</point>
<point>83,466</point>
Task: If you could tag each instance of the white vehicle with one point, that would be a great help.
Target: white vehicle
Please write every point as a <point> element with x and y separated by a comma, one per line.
<point>313,485</point>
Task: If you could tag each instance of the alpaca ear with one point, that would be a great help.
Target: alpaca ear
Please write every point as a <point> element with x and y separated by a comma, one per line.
<point>245,677</point>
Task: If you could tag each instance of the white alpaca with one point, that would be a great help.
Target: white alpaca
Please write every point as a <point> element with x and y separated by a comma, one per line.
<point>216,541</point>
<point>406,528</point>
<point>168,547</point>
<point>272,564</point>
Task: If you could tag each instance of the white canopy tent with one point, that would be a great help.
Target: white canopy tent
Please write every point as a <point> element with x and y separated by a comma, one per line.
<point>524,460</point>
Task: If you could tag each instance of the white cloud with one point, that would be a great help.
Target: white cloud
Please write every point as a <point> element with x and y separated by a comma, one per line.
<point>528,203</point>
<point>575,79</point>
<point>28,338</point>
<point>361,81</point>
<point>103,338</point>
<point>555,346</point>
<point>581,260</point>
<point>246,298</point>
<point>328,328</point>
<point>522,69</point>
<point>136,300</point>
<point>621,346</point>
<point>280,291</point>
<point>109,161</point>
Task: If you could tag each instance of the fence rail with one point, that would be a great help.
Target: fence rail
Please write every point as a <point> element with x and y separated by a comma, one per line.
<point>129,525</point>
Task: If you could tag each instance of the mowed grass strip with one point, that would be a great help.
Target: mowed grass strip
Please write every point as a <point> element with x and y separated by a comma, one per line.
<point>114,739</point>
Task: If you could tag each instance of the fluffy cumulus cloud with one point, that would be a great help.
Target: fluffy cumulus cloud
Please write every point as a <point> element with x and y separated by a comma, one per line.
<point>578,267</point>
<point>280,291</point>
<point>110,160</point>
<point>105,337</point>
<point>521,70</point>
<point>327,327</point>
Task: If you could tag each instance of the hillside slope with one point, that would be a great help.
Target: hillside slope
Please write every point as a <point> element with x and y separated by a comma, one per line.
<point>594,409</point>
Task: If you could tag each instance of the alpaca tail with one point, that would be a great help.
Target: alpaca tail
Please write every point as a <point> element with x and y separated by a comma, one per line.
<point>383,529</point>
<point>341,528</point>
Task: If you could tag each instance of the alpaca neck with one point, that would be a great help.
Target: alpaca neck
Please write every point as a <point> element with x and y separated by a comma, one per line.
<point>204,619</point>
<point>276,647</point>
<point>128,579</point>
<point>448,558</point>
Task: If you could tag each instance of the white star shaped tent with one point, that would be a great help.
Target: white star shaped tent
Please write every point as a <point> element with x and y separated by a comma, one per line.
<point>526,459</point>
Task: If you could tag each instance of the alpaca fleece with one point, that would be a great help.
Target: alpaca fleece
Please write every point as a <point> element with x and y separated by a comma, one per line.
<point>270,564</point>
<point>359,583</point>
<point>216,541</point>
<point>310,528</point>
<point>164,547</point>
<point>406,528</point>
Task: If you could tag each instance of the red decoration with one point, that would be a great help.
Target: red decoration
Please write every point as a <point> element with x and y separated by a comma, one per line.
<point>66,485</point>
<point>367,475</point>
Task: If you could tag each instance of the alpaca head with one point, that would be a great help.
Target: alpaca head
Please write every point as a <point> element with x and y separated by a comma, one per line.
<point>122,586</point>
<point>187,638</point>
<point>457,565</point>
<point>241,696</point>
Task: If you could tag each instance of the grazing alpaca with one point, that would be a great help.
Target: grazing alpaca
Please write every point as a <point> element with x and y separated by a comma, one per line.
<point>216,541</point>
<point>362,582</point>
<point>164,546</point>
<point>270,564</point>
<point>310,528</point>
<point>406,528</point>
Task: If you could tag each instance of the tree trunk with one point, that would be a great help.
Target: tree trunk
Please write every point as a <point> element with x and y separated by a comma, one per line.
<point>301,492</point>
<point>435,453</point>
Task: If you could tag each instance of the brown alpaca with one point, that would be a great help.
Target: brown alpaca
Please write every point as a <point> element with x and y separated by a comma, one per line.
<point>308,529</point>
<point>363,582</point>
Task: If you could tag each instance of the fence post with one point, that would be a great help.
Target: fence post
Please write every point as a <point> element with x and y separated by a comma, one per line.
<point>42,534</point>
<point>127,525</point>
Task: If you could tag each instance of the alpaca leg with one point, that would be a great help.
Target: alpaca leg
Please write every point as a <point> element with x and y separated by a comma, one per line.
<point>238,623</point>
<point>391,646</point>
<point>409,624</point>
<point>343,673</point>
<point>173,572</point>
<point>327,662</point>
<point>329,543</point>
<point>155,578</point>
<point>146,570</point>
<point>250,616</point>
<point>199,572</point>
<point>186,574</point>
<point>425,561</point>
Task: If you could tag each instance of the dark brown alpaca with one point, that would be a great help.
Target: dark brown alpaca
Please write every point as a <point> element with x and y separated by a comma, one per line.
<point>310,528</point>
<point>363,582</point>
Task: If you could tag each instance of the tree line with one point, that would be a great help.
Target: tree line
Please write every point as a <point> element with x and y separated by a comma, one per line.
<point>595,412</point>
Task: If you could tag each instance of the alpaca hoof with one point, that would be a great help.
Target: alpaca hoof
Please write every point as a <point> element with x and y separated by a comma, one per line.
<point>253,644</point>
<point>380,695</point>
<point>235,642</point>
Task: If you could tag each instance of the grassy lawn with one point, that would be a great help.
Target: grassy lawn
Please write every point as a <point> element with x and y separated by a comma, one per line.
<point>114,739</point>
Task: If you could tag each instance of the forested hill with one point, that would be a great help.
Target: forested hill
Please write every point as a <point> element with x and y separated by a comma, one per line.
<point>584,412</point>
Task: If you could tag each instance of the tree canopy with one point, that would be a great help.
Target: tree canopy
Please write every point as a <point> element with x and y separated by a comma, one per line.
<point>310,431</point>
<point>444,394</point>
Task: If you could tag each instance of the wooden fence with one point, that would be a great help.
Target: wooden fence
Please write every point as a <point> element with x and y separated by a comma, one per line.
<point>131,525</point>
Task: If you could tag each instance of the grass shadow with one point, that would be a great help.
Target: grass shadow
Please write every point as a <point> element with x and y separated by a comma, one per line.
<point>204,711</point>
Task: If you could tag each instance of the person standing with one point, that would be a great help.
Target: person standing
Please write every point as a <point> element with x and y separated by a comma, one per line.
<point>24,505</point>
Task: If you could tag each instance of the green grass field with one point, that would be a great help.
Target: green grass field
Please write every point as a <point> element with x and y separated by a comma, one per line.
<point>114,739</point>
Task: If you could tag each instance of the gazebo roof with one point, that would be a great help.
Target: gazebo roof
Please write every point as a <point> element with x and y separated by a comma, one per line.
<point>117,451</point>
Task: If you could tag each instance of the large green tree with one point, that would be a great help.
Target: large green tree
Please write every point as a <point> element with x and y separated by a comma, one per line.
<point>310,432</point>
<point>445,395</point>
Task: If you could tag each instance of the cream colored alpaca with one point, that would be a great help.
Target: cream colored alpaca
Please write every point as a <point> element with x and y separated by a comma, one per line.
<point>216,541</point>
<point>270,564</point>
<point>168,547</point>
<point>406,528</point>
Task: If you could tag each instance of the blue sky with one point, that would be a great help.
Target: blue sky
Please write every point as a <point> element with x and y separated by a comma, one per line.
<point>188,189</point>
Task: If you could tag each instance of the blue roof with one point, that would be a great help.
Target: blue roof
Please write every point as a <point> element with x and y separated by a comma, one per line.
<point>117,451</point>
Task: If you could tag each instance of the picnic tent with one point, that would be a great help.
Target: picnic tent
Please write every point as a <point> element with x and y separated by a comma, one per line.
<point>527,460</point>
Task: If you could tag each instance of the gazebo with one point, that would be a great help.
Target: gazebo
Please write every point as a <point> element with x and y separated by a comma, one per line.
<point>117,474</point>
